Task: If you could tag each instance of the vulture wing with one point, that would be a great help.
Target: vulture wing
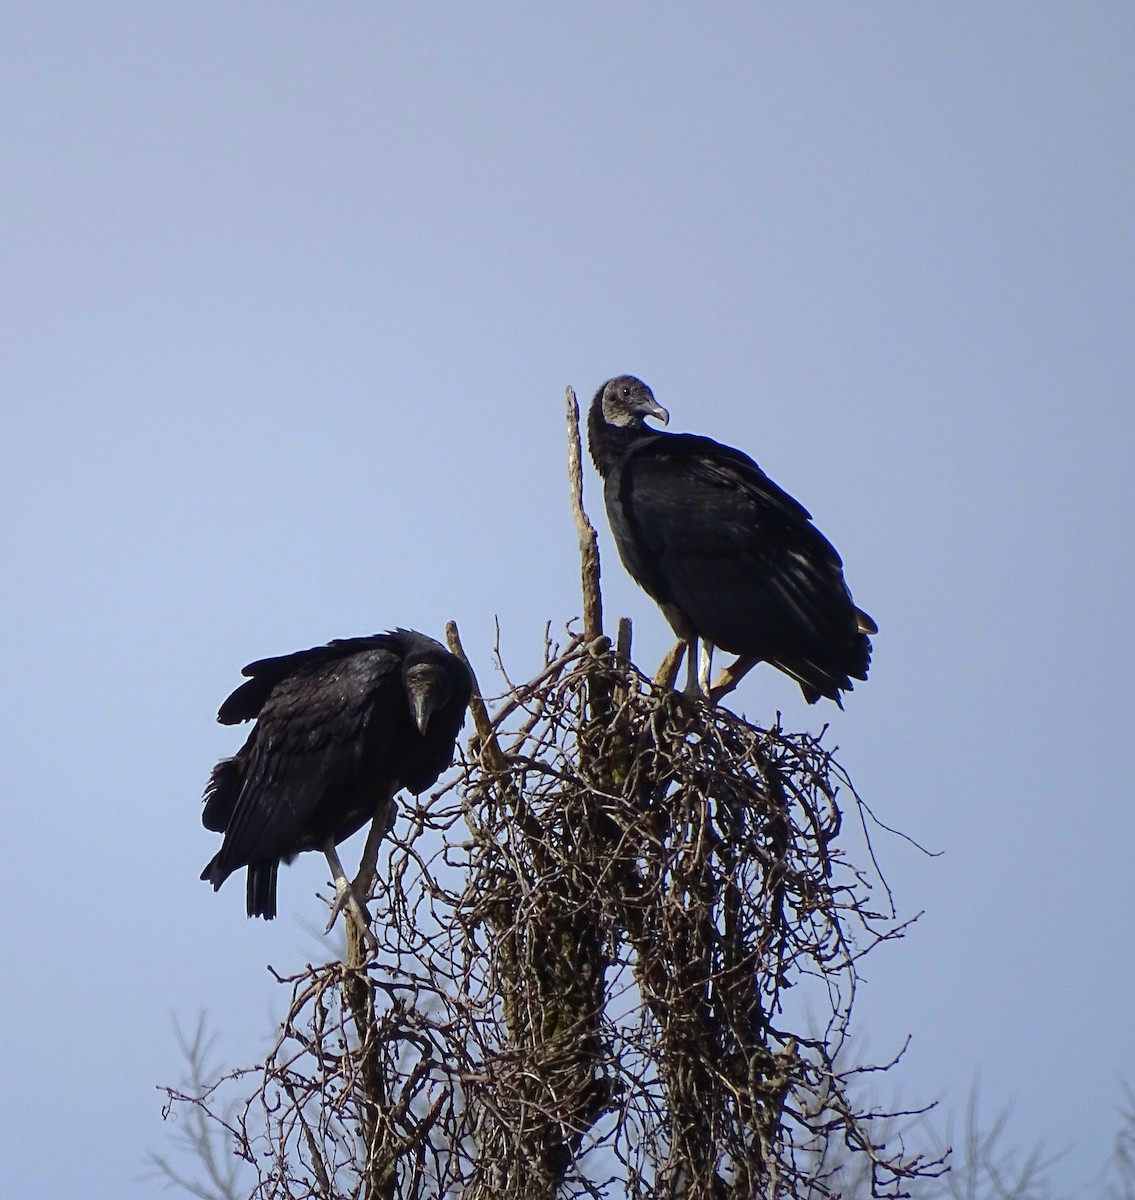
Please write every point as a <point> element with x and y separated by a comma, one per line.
<point>321,727</point>
<point>734,553</point>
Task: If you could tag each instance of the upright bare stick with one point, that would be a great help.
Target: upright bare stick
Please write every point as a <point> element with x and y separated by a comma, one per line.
<point>588,540</point>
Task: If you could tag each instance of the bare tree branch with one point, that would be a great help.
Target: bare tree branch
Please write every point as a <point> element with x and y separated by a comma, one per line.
<point>596,944</point>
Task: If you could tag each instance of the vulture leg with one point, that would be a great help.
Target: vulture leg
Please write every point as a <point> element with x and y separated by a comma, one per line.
<point>345,897</point>
<point>705,667</point>
<point>379,827</point>
<point>693,685</point>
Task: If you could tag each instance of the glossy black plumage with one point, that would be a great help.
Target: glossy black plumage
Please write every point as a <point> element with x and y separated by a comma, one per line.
<point>728,555</point>
<point>339,729</point>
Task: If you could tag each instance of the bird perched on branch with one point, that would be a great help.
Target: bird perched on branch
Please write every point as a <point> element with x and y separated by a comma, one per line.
<point>729,557</point>
<point>339,730</point>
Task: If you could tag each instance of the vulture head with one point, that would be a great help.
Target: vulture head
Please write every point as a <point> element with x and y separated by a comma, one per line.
<point>626,401</point>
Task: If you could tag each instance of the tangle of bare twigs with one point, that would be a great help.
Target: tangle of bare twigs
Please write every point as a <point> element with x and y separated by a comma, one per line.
<point>589,944</point>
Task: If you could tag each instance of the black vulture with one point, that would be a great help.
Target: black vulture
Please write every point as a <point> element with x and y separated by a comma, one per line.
<point>339,730</point>
<point>729,557</point>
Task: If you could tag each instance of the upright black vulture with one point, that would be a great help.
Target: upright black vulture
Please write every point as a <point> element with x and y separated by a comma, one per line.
<point>339,730</point>
<point>729,557</point>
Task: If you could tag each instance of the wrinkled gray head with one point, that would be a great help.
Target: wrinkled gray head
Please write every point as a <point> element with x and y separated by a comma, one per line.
<point>427,689</point>
<point>628,401</point>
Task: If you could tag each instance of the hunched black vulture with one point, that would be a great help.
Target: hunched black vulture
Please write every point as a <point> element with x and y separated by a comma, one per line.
<point>339,730</point>
<point>729,557</point>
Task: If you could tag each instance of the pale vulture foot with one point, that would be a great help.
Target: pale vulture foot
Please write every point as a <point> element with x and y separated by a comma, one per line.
<point>345,897</point>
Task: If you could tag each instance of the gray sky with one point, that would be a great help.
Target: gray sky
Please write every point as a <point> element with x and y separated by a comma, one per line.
<point>291,294</point>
